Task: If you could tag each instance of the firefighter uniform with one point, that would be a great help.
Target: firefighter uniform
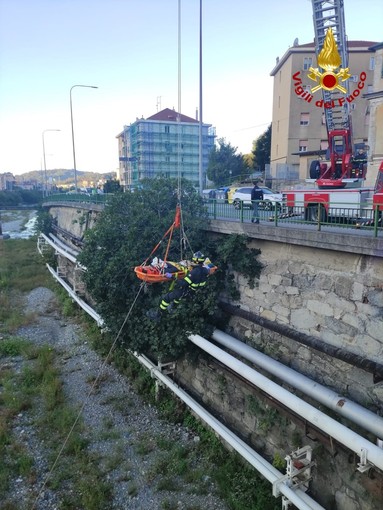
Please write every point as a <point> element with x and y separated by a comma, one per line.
<point>194,280</point>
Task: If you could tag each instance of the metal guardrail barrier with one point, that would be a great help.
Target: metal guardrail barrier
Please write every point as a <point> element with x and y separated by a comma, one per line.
<point>364,217</point>
<point>97,198</point>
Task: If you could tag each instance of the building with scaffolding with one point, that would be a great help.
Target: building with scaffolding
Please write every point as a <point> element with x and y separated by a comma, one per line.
<point>166,144</point>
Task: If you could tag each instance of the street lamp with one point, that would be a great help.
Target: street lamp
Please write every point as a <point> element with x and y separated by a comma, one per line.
<point>45,164</point>
<point>71,120</point>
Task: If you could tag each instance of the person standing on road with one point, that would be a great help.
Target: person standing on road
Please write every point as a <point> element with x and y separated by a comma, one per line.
<point>256,197</point>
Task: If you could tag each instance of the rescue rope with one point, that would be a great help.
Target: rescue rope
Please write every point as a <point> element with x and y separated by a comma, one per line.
<point>95,382</point>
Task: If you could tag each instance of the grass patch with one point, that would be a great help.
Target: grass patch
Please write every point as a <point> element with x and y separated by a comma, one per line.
<point>15,346</point>
<point>21,270</point>
<point>21,266</point>
<point>36,389</point>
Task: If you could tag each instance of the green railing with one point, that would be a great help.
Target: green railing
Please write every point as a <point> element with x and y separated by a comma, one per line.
<point>97,198</point>
<point>365,217</point>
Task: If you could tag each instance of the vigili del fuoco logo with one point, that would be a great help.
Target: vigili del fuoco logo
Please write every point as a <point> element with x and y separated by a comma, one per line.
<point>329,60</point>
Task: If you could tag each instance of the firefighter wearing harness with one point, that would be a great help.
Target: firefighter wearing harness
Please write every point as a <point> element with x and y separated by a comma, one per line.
<point>193,281</point>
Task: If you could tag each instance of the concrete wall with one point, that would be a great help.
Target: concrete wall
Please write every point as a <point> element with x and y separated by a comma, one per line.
<point>75,220</point>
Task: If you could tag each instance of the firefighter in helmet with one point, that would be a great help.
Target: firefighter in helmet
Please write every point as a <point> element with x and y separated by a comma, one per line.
<point>193,281</point>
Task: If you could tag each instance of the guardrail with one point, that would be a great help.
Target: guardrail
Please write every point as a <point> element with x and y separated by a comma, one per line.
<point>97,198</point>
<point>364,217</point>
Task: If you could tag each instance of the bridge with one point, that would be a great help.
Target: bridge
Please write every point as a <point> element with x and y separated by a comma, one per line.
<point>363,238</point>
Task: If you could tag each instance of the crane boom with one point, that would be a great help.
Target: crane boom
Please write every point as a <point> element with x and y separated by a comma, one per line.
<point>330,14</point>
<point>332,53</point>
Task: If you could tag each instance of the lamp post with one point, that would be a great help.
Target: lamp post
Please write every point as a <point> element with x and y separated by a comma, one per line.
<point>45,164</point>
<point>71,120</point>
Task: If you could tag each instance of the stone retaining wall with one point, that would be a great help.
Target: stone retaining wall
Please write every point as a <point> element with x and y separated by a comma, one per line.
<point>335,297</point>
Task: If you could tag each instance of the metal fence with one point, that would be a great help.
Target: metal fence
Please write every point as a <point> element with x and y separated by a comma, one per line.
<point>365,217</point>
<point>97,198</point>
<point>318,216</point>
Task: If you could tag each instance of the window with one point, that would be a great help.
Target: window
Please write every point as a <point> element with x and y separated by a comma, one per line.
<point>323,145</point>
<point>305,119</point>
<point>370,89</point>
<point>166,129</point>
<point>306,88</point>
<point>307,63</point>
<point>303,145</point>
<point>372,63</point>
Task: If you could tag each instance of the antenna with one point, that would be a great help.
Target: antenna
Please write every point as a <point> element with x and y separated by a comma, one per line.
<point>158,104</point>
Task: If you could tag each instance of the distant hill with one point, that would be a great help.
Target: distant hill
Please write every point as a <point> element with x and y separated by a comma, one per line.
<point>65,177</point>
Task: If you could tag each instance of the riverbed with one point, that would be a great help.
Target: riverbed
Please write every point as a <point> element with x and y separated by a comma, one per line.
<point>18,224</point>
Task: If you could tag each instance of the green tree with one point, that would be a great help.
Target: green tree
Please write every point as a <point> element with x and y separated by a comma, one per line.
<point>262,149</point>
<point>225,166</point>
<point>124,237</point>
<point>112,186</point>
<point>20,196</point>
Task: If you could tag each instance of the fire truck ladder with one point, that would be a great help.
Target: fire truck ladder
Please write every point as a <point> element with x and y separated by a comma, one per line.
<point>330,14</point>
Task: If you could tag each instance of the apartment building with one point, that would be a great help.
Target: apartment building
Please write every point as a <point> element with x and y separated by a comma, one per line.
<point>7,181</point>
<point>167,143</point>
<point>299,132</point>
<point>375,100</point>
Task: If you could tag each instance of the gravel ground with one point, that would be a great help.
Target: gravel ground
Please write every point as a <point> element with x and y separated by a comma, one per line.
<point>114,407</point>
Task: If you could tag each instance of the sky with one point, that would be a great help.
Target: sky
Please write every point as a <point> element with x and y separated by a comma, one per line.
<point>130,50</point>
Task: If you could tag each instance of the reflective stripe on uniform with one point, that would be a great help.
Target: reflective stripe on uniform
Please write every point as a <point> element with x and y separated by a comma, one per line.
<point>164,305</point>
<point>192,285</point>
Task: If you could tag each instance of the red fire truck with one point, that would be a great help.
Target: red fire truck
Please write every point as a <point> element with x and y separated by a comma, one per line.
<point>340,205</point>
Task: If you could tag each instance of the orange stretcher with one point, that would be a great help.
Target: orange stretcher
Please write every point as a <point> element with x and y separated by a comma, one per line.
<point>152,274</point>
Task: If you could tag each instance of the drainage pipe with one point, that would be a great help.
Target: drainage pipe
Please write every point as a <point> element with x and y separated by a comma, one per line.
<point>63,245</point>
<point>361,446</point>
<point>88,309</point>
<point>62,250</point>
<point>351,410</point>
<point>59,249</point>
<point>296,496</point>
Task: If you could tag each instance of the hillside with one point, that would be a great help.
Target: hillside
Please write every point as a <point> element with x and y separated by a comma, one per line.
<point>63,176</point>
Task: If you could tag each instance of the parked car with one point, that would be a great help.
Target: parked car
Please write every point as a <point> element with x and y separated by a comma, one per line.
<point>221,194</point>
<point>208,193</point>
<point>271,199</point>
<point>231,192</point>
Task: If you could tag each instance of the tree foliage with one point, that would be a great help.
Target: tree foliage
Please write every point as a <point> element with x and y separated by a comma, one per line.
<point>20,196</point>
<point>225,165</point>
<point>128,229</point>
<point>262,149</point>
<point>112,186</point>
